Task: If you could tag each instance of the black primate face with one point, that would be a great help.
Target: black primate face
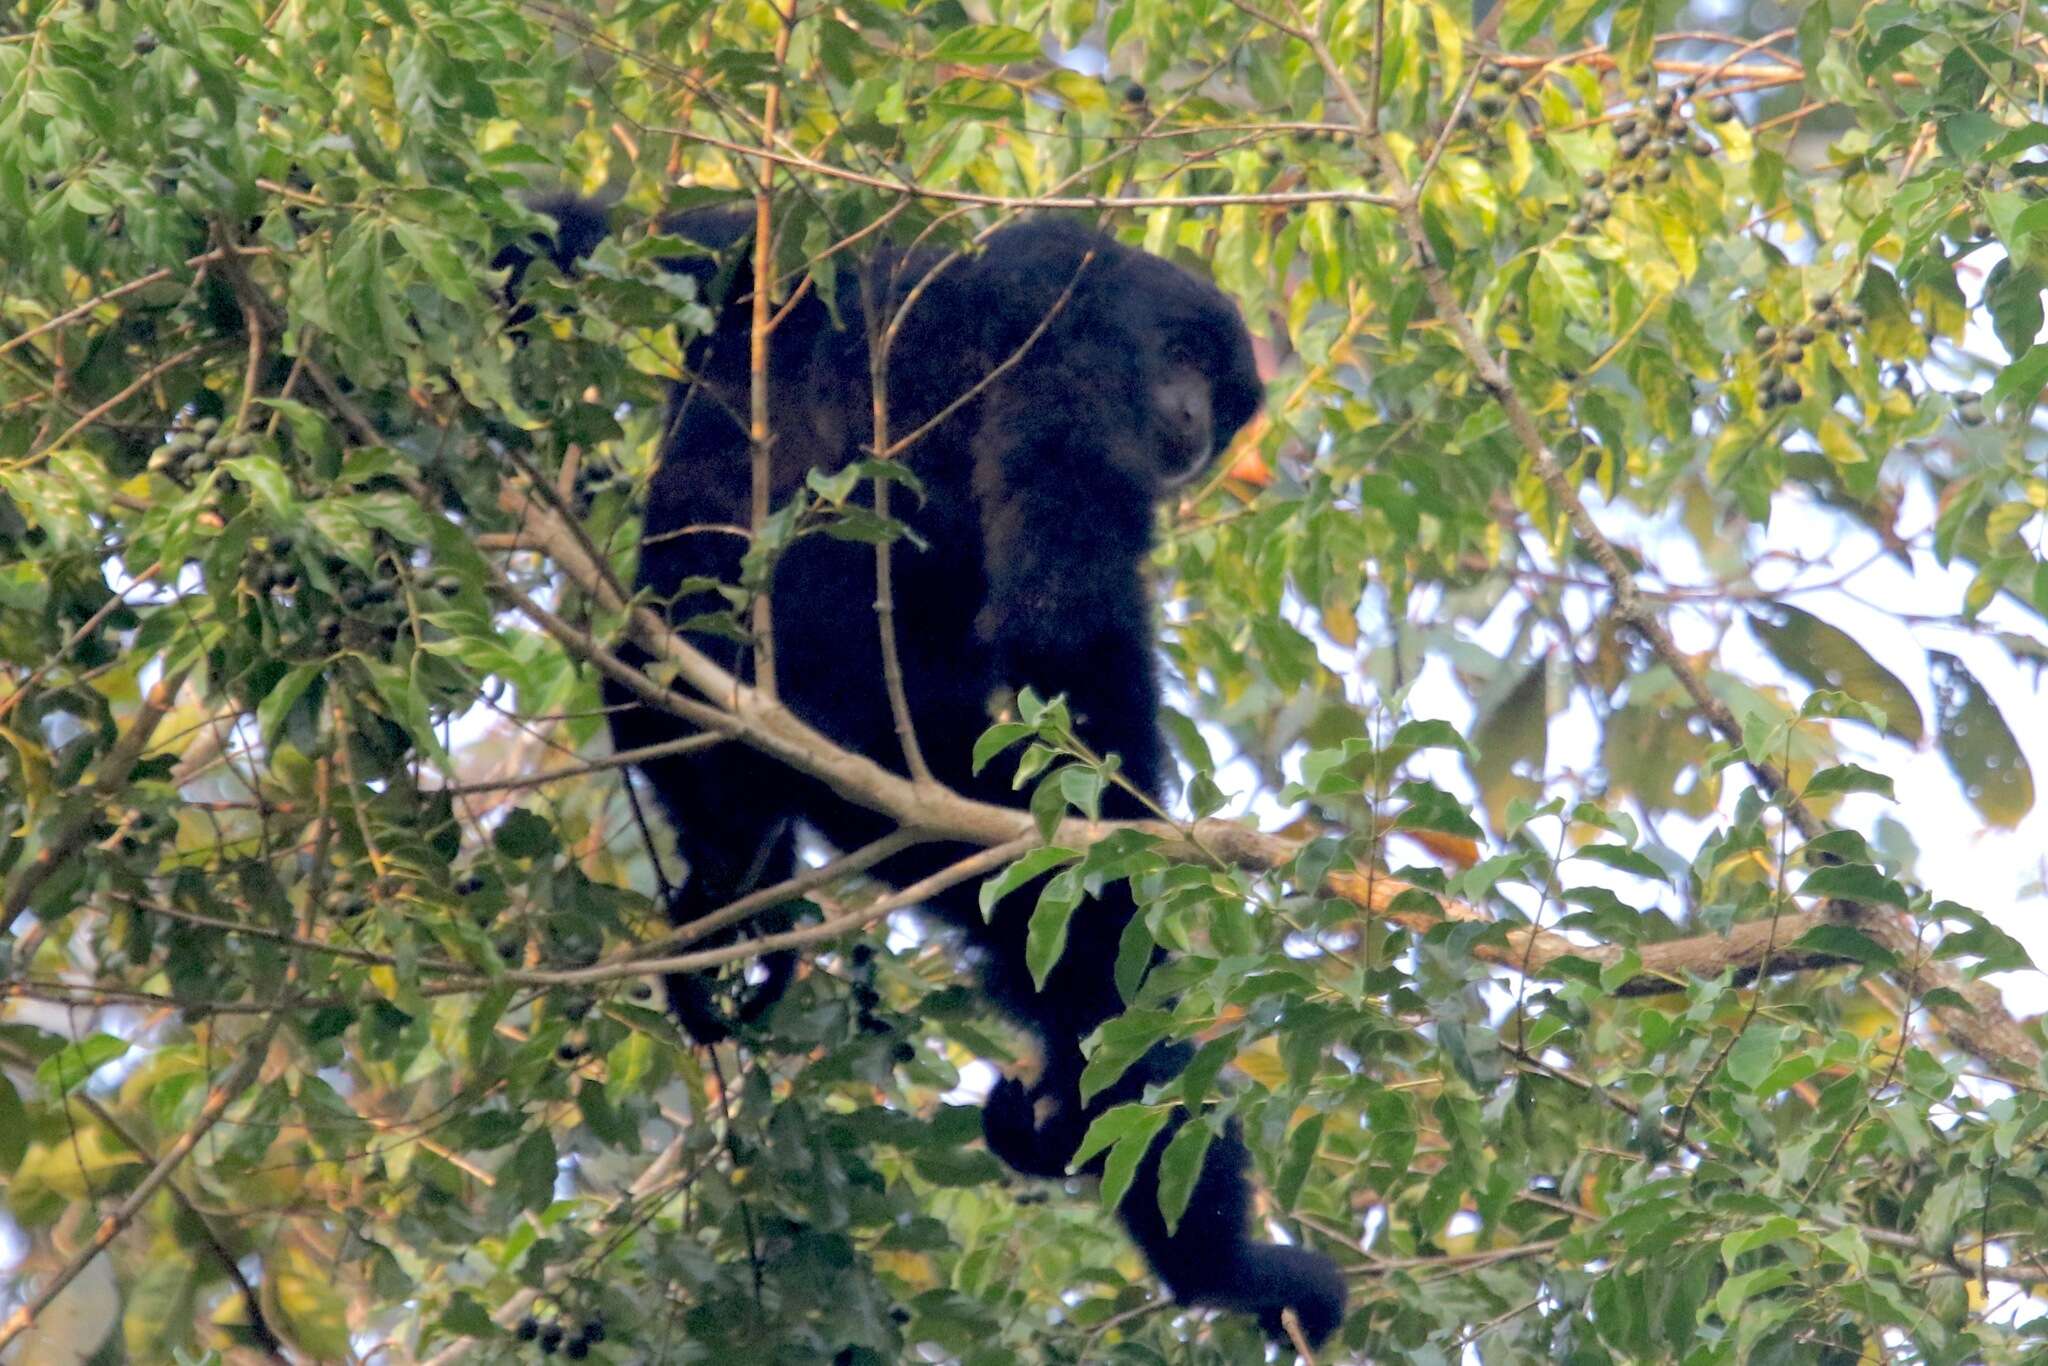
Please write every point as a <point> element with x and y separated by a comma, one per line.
<point>1199,380</point>
<point>1185,412</point>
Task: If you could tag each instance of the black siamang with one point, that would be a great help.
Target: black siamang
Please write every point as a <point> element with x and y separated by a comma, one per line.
<point>1117,377</point>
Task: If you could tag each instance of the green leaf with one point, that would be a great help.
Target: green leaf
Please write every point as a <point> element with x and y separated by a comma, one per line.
<point>1127,1131</point>
<point>1776,1229</point>
<point>1180,1166</point>
<point>69,1068</point>
<point>1854,882</point>
<point>2022,380</point>
<point>1119,1043</point>
<point>532,1170</point>
<point>1843,941</point>
<point>991,43</point>
<point>1033,863</point>
<point>277,703</point>
<point>1046,940</point>
<point>13,1127</point>
<point>1429,735</point>
<point>1848,778</point>
<point>1134,953</point>
<point>1978,744</point>
<point>996,739</point>
<point>1623,858</point>
<point>2012,294</point>
<point>1826,657</point>
<point>523,835</point>
<point>1049,805</point>
<point>1301,1155</point>
<point>1565,271</point>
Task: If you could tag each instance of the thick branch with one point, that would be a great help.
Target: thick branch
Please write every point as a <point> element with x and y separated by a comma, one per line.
<point>934,813</point>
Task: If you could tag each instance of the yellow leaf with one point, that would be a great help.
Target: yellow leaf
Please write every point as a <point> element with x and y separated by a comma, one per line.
<point>1450,44</point>
<point>303,1304</point>
<point>1836,443</point>
<point>1261,1062</point>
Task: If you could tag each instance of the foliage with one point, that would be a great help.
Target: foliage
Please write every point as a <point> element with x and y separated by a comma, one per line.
<point>327,941</point>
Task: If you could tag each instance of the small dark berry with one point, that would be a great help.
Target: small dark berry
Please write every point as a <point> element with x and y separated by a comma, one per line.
<point>1660,173</point>
<point>1700,146</point>
<point>1794,353</point>
<point>1721,110</point>
<point>1660,148</point>
<point>551,1339</point>
<point>903,1053</point>
<point>1854,316</point>
<point>469,884</point>
<point>528,1330</point>
<point>1133,93</point>
<point>593,1329</point>
<point>1970,412</point>
<point>1803,335</point>
<point>1489,71</point>
<point>1491,105</point>
<point>1576,223</point>
<point>1823,299</point>
<point>642,991</point>
<point>1767,335</point>
<point>1789,392</point>
<point>144,44</point>
<point>576,1349</point>
<point>570,1052</point>
<point>1665,102</point>
<point>577,1009</point>
<point>1595,178</point>
<point>1511,80</point>
<point>239,446</point>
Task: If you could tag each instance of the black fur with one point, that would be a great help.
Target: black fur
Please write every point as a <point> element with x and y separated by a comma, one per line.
<point>1037,520</point>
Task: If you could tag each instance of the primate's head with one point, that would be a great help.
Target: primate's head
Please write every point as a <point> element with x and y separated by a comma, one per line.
<point>1196,359</point>
<point>1130,335</point>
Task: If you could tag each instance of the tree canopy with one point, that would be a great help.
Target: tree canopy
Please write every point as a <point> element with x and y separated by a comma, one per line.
<point>1581,674</point>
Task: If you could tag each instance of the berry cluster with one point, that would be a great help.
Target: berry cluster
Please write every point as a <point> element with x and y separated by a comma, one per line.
<point>190,453</point>
<point>553,1337</point>
<point>1784,349</point>
<point>1647,141</point>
